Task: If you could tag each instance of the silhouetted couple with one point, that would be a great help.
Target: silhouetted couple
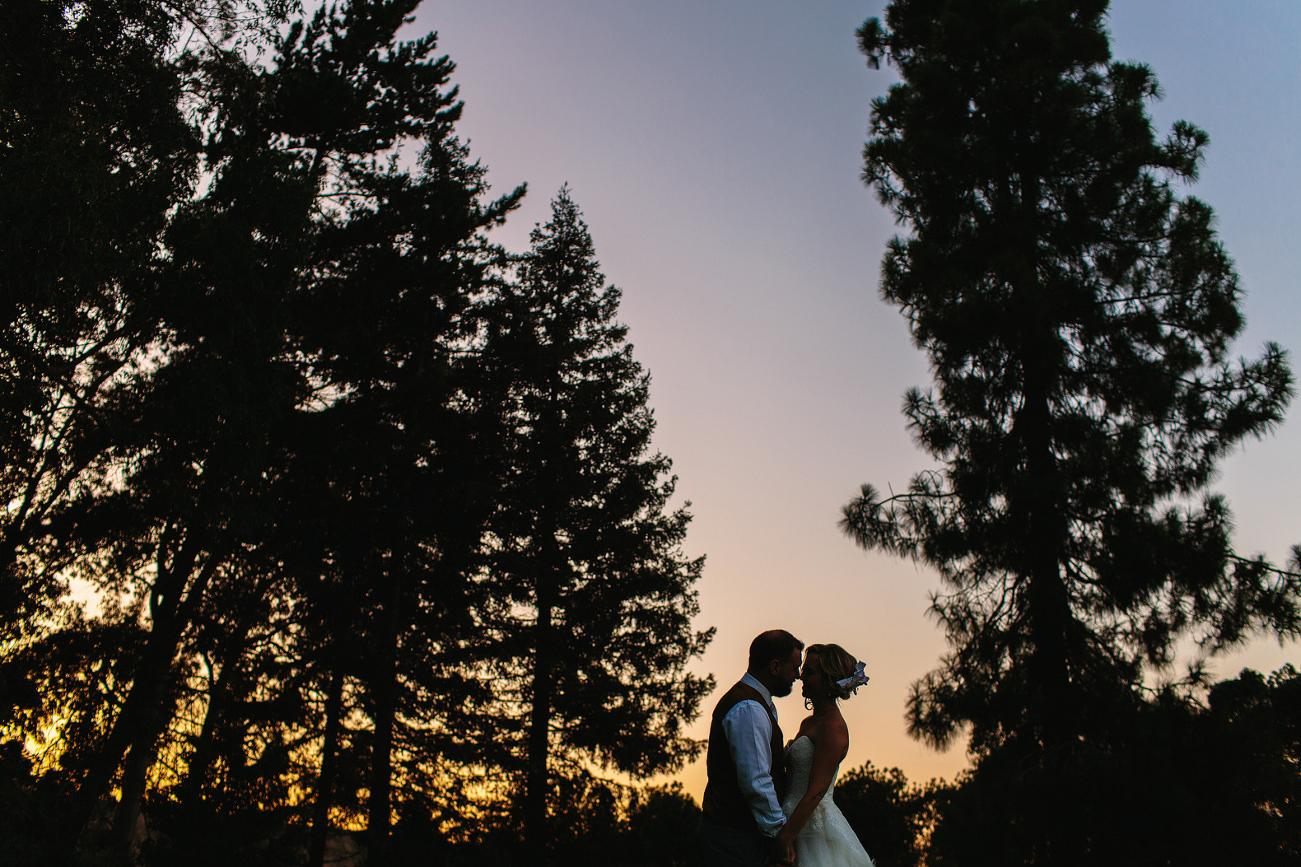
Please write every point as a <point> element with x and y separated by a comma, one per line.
<point>768,802</point>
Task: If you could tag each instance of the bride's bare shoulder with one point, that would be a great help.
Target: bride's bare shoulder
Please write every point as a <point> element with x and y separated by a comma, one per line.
<point>831,733</point>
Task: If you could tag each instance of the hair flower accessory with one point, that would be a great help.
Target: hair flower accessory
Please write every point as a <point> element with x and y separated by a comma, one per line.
<point>855,680</point>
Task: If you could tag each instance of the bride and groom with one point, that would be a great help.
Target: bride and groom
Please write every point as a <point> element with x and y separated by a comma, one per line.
<point>769,803</point>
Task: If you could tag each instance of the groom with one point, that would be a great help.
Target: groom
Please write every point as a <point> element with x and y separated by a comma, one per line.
<point>741,814</point>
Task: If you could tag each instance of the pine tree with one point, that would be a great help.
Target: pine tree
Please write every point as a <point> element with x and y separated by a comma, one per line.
<point>1078,314</point>
<point>594,597</point>
<point>391,331</point>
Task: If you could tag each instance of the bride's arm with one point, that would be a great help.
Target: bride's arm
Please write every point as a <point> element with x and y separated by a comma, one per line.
<point>828,751</point>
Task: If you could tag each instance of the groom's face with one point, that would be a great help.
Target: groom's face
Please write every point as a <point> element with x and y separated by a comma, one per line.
<point>785,673</point>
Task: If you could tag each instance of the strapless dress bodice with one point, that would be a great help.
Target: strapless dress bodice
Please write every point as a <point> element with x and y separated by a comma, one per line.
<point>826,840</point>
<point>799,767</point>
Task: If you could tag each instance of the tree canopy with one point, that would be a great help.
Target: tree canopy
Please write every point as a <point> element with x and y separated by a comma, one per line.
<point>1079,314</point>
<point>257,397</point>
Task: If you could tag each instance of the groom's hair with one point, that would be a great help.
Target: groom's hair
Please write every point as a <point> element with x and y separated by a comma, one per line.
<point>774,644</point>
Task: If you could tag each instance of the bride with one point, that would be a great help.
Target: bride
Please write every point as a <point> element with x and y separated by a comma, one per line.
<point>820,833</point>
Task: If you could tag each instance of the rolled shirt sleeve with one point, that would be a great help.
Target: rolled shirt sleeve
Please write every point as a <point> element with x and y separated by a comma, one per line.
<point>749,736</point>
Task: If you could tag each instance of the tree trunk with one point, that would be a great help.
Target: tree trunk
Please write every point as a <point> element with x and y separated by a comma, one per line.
<point>122,736</point>
<point>1043,504</point>
<point>141,719</point>
<point>384,690</point>
<point>135,778</point>
<point>325,782</point>
<point>1042,499</point>
<point>536,785</point>
<point>219,699</point>
<point>1050,614</point>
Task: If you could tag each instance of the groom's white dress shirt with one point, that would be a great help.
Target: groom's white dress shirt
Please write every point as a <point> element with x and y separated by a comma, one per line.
<point>749,737</point>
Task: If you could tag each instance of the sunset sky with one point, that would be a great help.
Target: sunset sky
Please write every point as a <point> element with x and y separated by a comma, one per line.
<point>714,147</point>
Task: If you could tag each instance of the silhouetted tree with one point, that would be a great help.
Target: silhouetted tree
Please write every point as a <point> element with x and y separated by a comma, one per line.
<point>233,756</point>
<point>660,825</point>
<point>891,817</point>
<point>1244,770</point>
<point>96,152</point>
<point>594,597</point>
<point>102,365</point>
<point>253,283</point>
<point>267,390</point>
<point>593,822</point>
<point>1078,317</point>
<point>388,331</point>
<point>205,438</point>
<point>1196,779</point>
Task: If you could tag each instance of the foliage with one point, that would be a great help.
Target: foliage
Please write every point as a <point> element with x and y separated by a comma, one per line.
<point>661,826</point>
<point>596,822</point>
<point>388,328</point>
<point>31,807</point>
<point>96,152</point>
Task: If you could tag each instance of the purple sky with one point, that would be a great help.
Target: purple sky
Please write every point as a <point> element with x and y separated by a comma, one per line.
<point>714,149</point>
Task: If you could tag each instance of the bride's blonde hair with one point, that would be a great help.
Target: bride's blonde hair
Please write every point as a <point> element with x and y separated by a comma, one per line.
<point>837,664</point>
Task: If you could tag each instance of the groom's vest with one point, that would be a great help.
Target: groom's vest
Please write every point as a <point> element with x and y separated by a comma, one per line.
<point>724,804</point>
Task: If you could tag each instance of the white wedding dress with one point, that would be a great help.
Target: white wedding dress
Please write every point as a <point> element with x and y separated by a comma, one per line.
<point>826,840</point>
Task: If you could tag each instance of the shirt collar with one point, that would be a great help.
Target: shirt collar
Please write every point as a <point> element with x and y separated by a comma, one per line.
<point>763,691</point>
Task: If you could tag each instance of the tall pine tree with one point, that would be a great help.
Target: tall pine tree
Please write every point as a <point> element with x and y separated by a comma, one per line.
<point>1078,315</point>
<point>594,596</point>
<point>389,331</point>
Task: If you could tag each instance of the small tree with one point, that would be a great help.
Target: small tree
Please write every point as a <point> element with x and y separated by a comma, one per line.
<point>594,597</point>
<point>1078,316</point>
<point>892,817</point>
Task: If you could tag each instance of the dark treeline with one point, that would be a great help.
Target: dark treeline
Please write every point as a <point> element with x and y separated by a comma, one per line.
<point>364,506</point>
<point>1078,313</point>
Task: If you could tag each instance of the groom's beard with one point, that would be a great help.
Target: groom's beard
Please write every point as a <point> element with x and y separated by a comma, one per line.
<point>783,691</point>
